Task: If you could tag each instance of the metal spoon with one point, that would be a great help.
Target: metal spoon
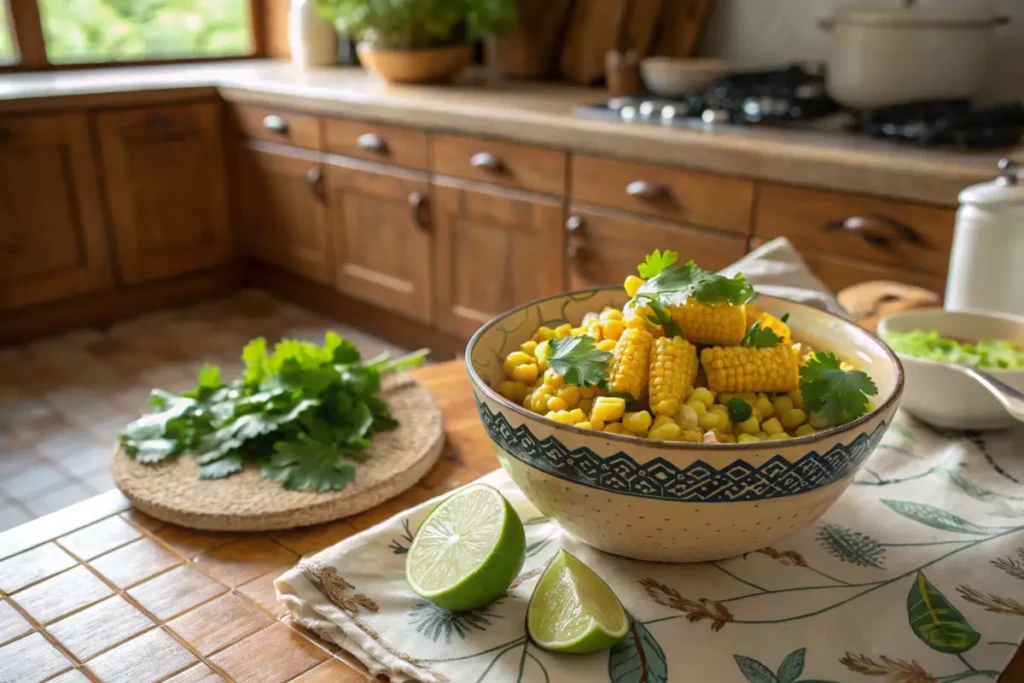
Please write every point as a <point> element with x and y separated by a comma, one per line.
<point>1011,399</point>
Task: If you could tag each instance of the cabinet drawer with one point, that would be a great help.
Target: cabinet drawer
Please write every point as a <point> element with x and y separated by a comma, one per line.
<point>879,230</point>
<point>701,198</point>
<point>838,273</point>
<point>500,163</point>
<point>602,248</point>
<point>275,125</point>
<point>376,142</point>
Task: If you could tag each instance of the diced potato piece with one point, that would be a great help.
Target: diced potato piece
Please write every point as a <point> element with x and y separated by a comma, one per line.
<point>686,418</point>
<point>796,397</point>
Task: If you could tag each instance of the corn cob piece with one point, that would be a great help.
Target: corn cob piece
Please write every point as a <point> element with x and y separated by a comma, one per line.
<point>673,369</point>
<point>630,366</point>
<point>769,321</point>
<point>744,368</point>
<point>722,324</point>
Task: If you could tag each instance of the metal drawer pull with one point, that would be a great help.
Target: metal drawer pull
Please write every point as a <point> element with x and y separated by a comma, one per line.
<point>486,161</point>
<point>315,178</point>
<point>158,122</point>
<point>872,228</point>
<point>642,189</point>
<point>371,142</point>
<point>573,224</point>
<point>275,123</point>
<point>418,202</point>
<point>573,251</point>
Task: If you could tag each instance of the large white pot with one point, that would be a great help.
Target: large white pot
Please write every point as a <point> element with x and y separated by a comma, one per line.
<point>886,56</point>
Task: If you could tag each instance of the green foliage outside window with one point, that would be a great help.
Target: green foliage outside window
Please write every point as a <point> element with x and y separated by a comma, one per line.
<point>130,30</point>
<point>6,44</point>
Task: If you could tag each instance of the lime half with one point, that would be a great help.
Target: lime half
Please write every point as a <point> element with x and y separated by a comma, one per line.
<point>468,550</point>
<point>574,610</point>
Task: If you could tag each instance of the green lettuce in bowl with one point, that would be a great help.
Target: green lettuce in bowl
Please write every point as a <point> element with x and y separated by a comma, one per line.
<point>991,354</point>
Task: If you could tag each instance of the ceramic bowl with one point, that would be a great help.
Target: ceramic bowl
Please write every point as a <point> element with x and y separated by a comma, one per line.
<point>940,395</point>
<point>674,501</point>
<point>670,77</point>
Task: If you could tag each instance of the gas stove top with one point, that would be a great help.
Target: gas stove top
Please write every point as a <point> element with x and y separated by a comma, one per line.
<point>795,97</point>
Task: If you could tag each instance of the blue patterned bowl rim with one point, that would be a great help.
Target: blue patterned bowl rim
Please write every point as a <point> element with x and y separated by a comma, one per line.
<point>822,435</point>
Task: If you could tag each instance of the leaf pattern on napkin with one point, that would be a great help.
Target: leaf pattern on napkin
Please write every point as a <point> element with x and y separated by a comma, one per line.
<point>788,557</point>
<point>895,670</point>
<point>851,546</point>
<point>331,584</point>
<point>695,610</point>
<point>1014,568</point>
<point>992,603</point>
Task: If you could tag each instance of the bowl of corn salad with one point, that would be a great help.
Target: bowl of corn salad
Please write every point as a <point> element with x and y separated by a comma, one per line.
<point>681,417</point>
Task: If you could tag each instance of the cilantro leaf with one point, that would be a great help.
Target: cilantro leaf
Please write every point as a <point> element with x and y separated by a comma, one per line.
<point>761,337</point>
<point>656,262</point>
<point>664,318</point>
<point>674,286</point>
<point>579,361</point>
<point>739,410</point>
<point>255,356</point>
<point>839,395</point>
<point>225,466</point>
<point>311,462</point>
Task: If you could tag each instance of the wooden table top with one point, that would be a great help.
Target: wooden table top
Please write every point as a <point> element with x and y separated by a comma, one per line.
<point>100,592</point>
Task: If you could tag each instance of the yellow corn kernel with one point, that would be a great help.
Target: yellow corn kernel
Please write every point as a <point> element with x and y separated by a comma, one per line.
<point>578,331</point>
<point>608,409</point>
<point>596,424</point>
<point>691,435</point>
<point>777,436</point>
<point>763,407</point>
<point>526,373</point>
<point>513,391</point>
<point>577,415</point>
<point>540,352</point>
<point>817,420</point>
<point>557,404</point>
<point>514,360</point>
<point>553,380</point>
<point>719,408</point>
<point>761,435</point>
<point>595,330</point>
<point>586,405</point>
<point>543,334</point>
<point>660,420</point>
<point>724,398</point>
<point>782,404</point>
<point>745,368</point>
<point>570,394</point>
<point>748,396</point>
<point>638,422</point>
<point>630,366</point>
<point>613,329</point>
<point>793,418</point>
<point>686,418</point>
<point>712,420</point>
<point>562,331</point>
<point>805,430</point>
<point>673,369</point>
<point>771,426</point>
<point>753,312</point>
<point>609,313</point>
<point>528,347</point>
<point>796,397</point>
<point>669,431</point>
<point>703,395</point>
<point>606,345</point>
<point>697,405</point>
<point>614,428</point>
<point>562,416</point>
<point>749,426</point>
<point>584,425</point>
<point>632,284</point>
<point>726,438</point>
<point>746,438</point>
<point>770,322</point>
<point>588,392</point>
<point>722,324</point>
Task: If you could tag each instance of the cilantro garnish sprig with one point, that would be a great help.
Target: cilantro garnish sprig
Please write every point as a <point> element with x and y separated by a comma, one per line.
<point>839,395</point>
<point>302,412</point>
<point>579,361</point>
<point>761,337</point>
<point>674,285</point>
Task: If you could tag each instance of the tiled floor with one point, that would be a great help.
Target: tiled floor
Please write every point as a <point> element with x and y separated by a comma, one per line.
<point>63,398</point>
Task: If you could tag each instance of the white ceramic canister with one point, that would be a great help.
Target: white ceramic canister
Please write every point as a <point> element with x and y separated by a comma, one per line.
<point>986,264</point>
<point>312,40</point>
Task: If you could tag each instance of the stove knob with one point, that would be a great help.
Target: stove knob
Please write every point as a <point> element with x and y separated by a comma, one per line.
<point>668,112</point>
<point>646,109</point>
<point>628,113</point>
<point>714,116</point>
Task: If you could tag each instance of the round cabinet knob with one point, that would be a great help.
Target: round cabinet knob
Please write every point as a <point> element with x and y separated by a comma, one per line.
<point>485,161</point>
<point>1009,171</point>
<point>573,224</point>
<point>275,123</point>
<point>417,203</point>
<point>573,251</point>
<point>371,142</point>
<point>641,189</point>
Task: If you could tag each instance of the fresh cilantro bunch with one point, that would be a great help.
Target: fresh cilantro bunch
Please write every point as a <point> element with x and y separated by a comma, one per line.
<point>579,361</point>
<point>839,395</point>
<point>303,412</point>
<point>673,285</point>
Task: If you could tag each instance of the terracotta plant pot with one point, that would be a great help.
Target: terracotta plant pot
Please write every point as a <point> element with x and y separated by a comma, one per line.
<point>422,65</point>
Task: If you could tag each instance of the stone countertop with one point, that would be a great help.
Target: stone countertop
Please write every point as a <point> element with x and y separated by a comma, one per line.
<point>541,114</point>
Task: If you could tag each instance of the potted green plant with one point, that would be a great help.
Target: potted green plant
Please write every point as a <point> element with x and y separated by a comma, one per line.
<point>418,40</point>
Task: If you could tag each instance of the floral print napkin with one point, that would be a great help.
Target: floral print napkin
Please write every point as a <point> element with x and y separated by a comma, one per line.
<point>916,575</point>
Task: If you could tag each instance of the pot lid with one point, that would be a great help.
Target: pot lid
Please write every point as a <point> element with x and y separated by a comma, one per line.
<point>1008,188</point>
<point>916,17</point>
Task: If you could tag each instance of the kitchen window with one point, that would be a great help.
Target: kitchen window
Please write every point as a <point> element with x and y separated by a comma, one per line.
<point>53,34</point>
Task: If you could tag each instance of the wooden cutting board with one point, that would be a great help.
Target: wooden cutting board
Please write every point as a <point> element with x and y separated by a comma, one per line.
<point>173,492</point>
<point>593,31</point>
<point>532,49</point>
<point>681,26</point>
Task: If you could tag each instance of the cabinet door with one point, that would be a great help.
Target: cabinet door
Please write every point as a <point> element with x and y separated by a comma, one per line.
<point>282,212</point>
<point>604,247</point>
<point>52,243</point>
<point>380,225</point>
<point>165,176</point>
<point>496,249</point>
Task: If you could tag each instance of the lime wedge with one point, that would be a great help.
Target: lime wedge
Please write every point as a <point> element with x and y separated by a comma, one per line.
<point>574,610</point>
<point>468,550</point>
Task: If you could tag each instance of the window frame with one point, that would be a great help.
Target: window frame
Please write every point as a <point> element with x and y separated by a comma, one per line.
<point>26,28</point>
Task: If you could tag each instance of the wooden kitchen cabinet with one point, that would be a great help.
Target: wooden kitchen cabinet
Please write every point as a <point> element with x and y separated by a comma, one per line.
<point>603,247</point>
<point>495,249</point>
<point>381,228</point>
<point>52,237</point>
<point>166,189</point>
<point>281,211</point>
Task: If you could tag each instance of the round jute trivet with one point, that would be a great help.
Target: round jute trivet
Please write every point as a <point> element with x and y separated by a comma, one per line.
<point>173,491</point>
